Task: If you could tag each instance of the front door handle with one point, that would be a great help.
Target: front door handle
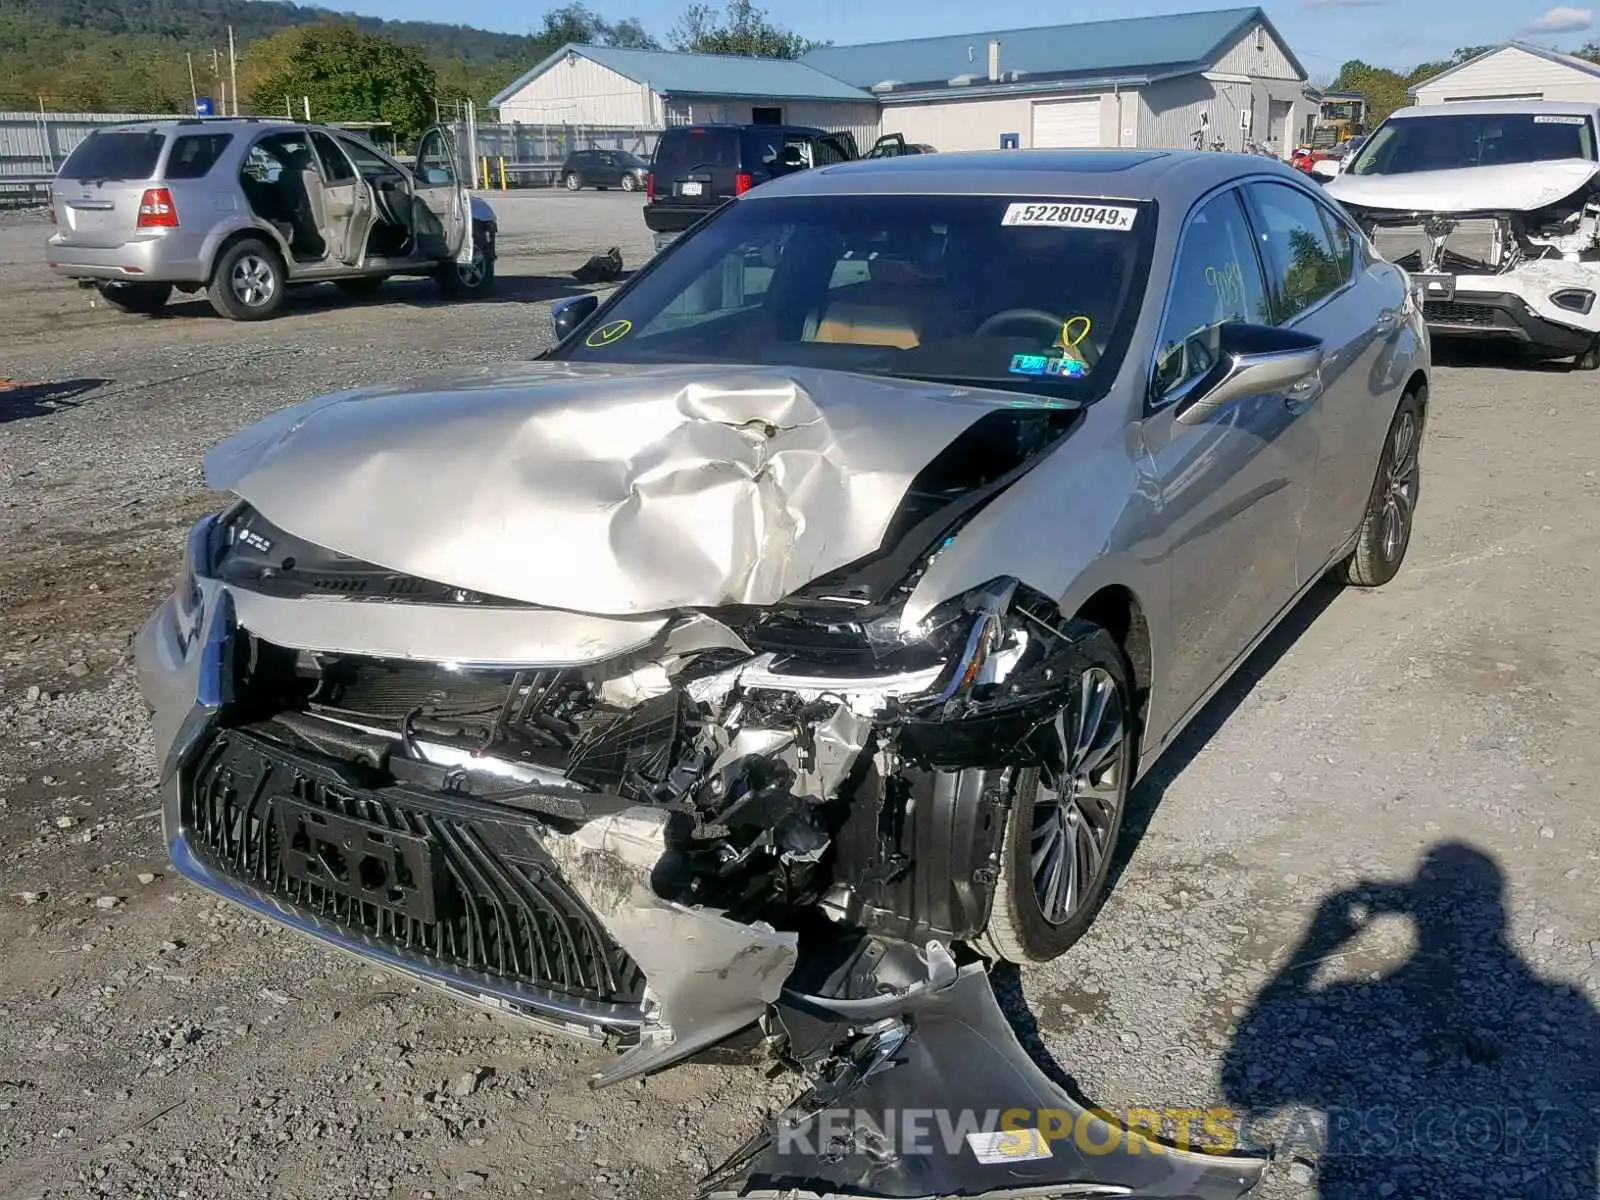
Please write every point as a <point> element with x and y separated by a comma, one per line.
<point>1388,321</point>
<point>1303,394</point>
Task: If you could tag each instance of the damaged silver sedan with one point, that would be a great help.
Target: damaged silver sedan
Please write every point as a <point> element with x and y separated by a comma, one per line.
<point>782,646</point>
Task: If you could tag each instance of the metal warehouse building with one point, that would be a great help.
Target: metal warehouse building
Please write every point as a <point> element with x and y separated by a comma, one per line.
<point>651,89</point>
<point>1170,81</point>
<point>1514,72</point>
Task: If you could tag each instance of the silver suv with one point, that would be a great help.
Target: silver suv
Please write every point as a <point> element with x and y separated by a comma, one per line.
<point>248,207</point>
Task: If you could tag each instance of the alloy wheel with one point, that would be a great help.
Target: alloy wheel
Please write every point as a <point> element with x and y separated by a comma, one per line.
<point>472,273</point>
<point>1400,494</point>
<point>253,281</point>
<point>1072,822</point>
<point>573,183</point>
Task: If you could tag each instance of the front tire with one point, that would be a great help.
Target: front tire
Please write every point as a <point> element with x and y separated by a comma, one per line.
<point>1385,532</point>
<point>247,283</point>
<point>1055,855</point>
<point>143,298</point>
<point>573,182</point>
<point>468,280</point>
<point>630,183</point>
<point>1589,360</point>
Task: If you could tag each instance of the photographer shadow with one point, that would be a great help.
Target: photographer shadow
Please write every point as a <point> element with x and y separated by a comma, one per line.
<point>1460,1073</point>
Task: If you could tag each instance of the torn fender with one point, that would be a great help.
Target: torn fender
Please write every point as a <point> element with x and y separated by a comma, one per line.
<point>919,1108</point>
<point>707,976</point>
<point>612,490</point>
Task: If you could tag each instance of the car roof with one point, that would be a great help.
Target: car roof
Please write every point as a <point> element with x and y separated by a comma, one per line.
<point>1498,108</point>
<point>702,125</point>
<point>1161,175</point>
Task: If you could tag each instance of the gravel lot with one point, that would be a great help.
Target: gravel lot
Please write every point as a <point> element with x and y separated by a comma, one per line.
<point>1438,736</point>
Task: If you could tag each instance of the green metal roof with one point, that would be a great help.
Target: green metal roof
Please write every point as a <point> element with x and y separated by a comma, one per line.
<point>670,73</point>
<point>1136,48</point>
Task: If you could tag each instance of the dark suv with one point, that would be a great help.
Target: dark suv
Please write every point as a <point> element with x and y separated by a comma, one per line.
<point>698,168</point>
<point>603,169</point>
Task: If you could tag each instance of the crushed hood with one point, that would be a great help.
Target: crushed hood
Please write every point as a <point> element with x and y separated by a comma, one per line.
<point>602,488</point>
<point>1518,187</point>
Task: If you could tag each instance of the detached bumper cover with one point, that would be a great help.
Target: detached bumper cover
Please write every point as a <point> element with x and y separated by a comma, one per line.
<point>943,1101</point>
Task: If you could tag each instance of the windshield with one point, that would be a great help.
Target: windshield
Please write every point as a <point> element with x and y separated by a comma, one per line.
<point>120,155</point>
<point>1452,140</point>
<point>1028,295</point>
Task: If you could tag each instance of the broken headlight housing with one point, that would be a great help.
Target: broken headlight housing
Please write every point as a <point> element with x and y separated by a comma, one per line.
<point>188,601</point>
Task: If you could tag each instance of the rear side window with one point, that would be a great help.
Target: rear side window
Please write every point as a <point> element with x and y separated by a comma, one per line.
<point>115,155</point>
<point>1303,263</point>
<point>194,155</point>
<point>682,152</point>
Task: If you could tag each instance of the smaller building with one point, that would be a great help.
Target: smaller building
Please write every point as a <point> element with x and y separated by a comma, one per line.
<point>1515,71</point>
<point>1223,79</point>
<point>612,88</point>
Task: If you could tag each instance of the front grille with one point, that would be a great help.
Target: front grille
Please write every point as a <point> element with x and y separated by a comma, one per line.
<point>498,905</point>
<point>1447,312</point>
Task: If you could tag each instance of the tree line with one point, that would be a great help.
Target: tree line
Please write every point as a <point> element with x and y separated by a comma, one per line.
<point>136,55</point>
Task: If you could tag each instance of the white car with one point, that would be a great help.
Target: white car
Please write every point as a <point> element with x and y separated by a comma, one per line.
<point>1492,207</point>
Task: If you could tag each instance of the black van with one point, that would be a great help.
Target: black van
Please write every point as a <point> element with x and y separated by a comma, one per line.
<point>698,168</point>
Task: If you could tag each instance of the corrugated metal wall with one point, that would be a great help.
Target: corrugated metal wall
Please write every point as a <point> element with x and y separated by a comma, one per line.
<point>1170,112</point>
<point>1512,72</point>
<point>581,92</point>
<point>34,144</point>
<point>1257,54</point>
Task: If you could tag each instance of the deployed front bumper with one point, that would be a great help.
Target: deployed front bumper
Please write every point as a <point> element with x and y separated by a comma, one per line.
<point>1550,307</point>
<point>530,920</point>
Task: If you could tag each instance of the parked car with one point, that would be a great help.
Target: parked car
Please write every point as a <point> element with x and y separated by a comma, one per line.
<point>785,644</point>
<point>604,169</point>
<point>698,168</point>
<point>1489,205</point>
<point>245,208</point>
<point>893,145</point>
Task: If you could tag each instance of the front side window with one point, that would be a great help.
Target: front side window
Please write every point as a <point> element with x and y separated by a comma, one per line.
<point>434,165</point>
<point>1303,264</point>
<point>1449,141</point>
<point>1027,295</point>
<point>1215,281</point>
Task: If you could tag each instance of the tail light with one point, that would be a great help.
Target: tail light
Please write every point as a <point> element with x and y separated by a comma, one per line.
<point>156,210</point>
<point>742,183</point>
<point>650,187</point>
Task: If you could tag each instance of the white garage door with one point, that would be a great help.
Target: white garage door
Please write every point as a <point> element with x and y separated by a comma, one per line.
<point>1066,123</point>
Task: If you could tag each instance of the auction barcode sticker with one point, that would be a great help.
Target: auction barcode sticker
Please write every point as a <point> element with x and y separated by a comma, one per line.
<point>1546,119</point>
<point>1009,1146</point>
<point>1072,216</point>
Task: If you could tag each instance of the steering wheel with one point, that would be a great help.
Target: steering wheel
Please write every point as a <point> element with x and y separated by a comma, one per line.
<point>1037,316</point>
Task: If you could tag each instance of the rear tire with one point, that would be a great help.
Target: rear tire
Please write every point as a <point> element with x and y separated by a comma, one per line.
<point>1385,532</point>
<point>247,283</point>
<point>572,182</point>
<point>1039,911</point>
<point>143,298</point>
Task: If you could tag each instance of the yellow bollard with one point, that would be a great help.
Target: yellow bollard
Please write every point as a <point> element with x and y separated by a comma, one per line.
<point>502,172</point>
<point>485,175</point>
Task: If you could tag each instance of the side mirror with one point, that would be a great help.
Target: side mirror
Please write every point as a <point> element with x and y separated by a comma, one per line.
<point>435,175</point>
<point>568,314</point>
<point>1252,360</point>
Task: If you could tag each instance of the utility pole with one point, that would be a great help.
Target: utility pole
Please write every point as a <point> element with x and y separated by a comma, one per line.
<point>233,73</point>
<point>194,92</point>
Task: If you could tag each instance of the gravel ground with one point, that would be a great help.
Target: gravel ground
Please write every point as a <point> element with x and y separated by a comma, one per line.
<point>1431,743</point>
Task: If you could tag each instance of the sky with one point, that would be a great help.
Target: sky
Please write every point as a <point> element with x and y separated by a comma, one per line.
<point>1322,33</point>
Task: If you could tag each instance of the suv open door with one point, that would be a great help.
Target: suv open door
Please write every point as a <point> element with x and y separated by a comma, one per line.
<point>441,210</point>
